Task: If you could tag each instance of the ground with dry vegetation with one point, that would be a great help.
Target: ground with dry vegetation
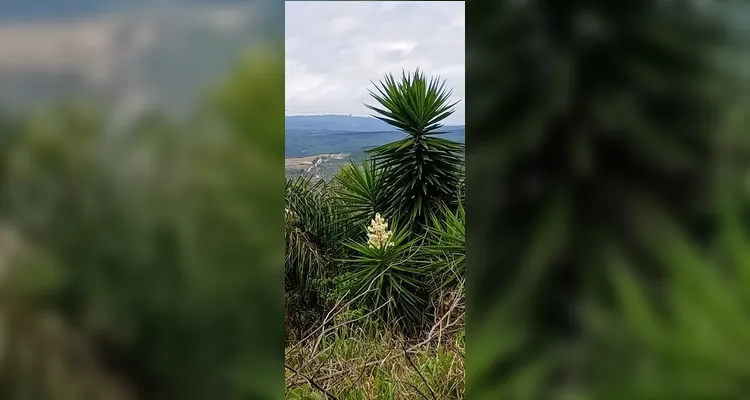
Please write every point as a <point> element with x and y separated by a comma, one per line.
<point>350,356</point>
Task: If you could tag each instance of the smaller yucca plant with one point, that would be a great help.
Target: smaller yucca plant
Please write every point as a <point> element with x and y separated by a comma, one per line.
<point>382,275</point>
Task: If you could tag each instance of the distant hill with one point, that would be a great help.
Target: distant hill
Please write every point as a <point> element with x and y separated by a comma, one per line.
<point>325,134</point>
<point>36,10</point>
<point>128,54</point>
<point>336,122</point>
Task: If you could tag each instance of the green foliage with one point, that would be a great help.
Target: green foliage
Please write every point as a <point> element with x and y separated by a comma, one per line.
<point>397,287</point>
<point>423,170</point>
<point>154,258</point>
<point>387,279</point>
<point>311,232</point>
<point>360,195</point>
<point>445,247</point>
<point>327,220</point>
<point>250,111</point>
<point>588,118</point>
<point>588,112</point>
<point>690,338</point>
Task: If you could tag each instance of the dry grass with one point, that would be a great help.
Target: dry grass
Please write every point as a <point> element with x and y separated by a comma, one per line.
<point>351,357</point>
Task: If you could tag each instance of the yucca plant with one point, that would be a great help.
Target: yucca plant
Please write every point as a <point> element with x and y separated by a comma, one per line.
<point>421,171</point>
<point>384,278</point>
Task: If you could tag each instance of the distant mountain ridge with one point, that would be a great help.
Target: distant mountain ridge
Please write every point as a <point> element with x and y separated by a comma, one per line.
<point>34,10</point>
<point>339,122</point>
<point>308,135</point>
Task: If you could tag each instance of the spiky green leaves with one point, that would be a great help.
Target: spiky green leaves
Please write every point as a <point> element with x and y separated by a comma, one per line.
<point>445,249</point>
<point>689,339</point>
<point>386,279</point>
<point>413,104</point>
<point>359,195</point>
<point>423,171</point>
<point>311,230</point>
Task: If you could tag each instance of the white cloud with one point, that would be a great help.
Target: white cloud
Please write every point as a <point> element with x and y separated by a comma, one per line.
<point>390,5</point>
<point>402,46</point>
<point>342,26</point>
<point>334,49</point>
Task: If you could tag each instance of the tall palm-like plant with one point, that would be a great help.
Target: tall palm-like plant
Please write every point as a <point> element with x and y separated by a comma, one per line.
<point>423,170</point>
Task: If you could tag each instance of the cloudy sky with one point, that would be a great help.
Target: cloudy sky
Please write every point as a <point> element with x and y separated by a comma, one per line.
<point>335,48</point>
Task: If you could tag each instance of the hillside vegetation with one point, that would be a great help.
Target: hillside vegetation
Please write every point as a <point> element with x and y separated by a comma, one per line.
<point>375,261</point>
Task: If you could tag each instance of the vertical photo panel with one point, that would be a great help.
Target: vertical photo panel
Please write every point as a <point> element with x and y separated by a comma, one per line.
<point>375,193</point>
<point>141,242</point>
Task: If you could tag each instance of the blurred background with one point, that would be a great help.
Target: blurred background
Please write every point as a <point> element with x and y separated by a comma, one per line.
<point>139,142</point>
<point>608,242</point>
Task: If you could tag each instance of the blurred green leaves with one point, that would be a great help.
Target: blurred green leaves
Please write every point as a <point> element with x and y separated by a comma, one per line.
<point>154,249</point>
<point>581,114</point>
<point>251,101</point>
<point>689,338</point>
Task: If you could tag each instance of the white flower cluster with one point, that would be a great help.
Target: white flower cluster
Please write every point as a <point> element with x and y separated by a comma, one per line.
<point>378,235</point>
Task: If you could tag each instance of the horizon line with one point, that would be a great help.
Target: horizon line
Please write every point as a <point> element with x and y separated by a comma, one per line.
<point>348,115</point>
